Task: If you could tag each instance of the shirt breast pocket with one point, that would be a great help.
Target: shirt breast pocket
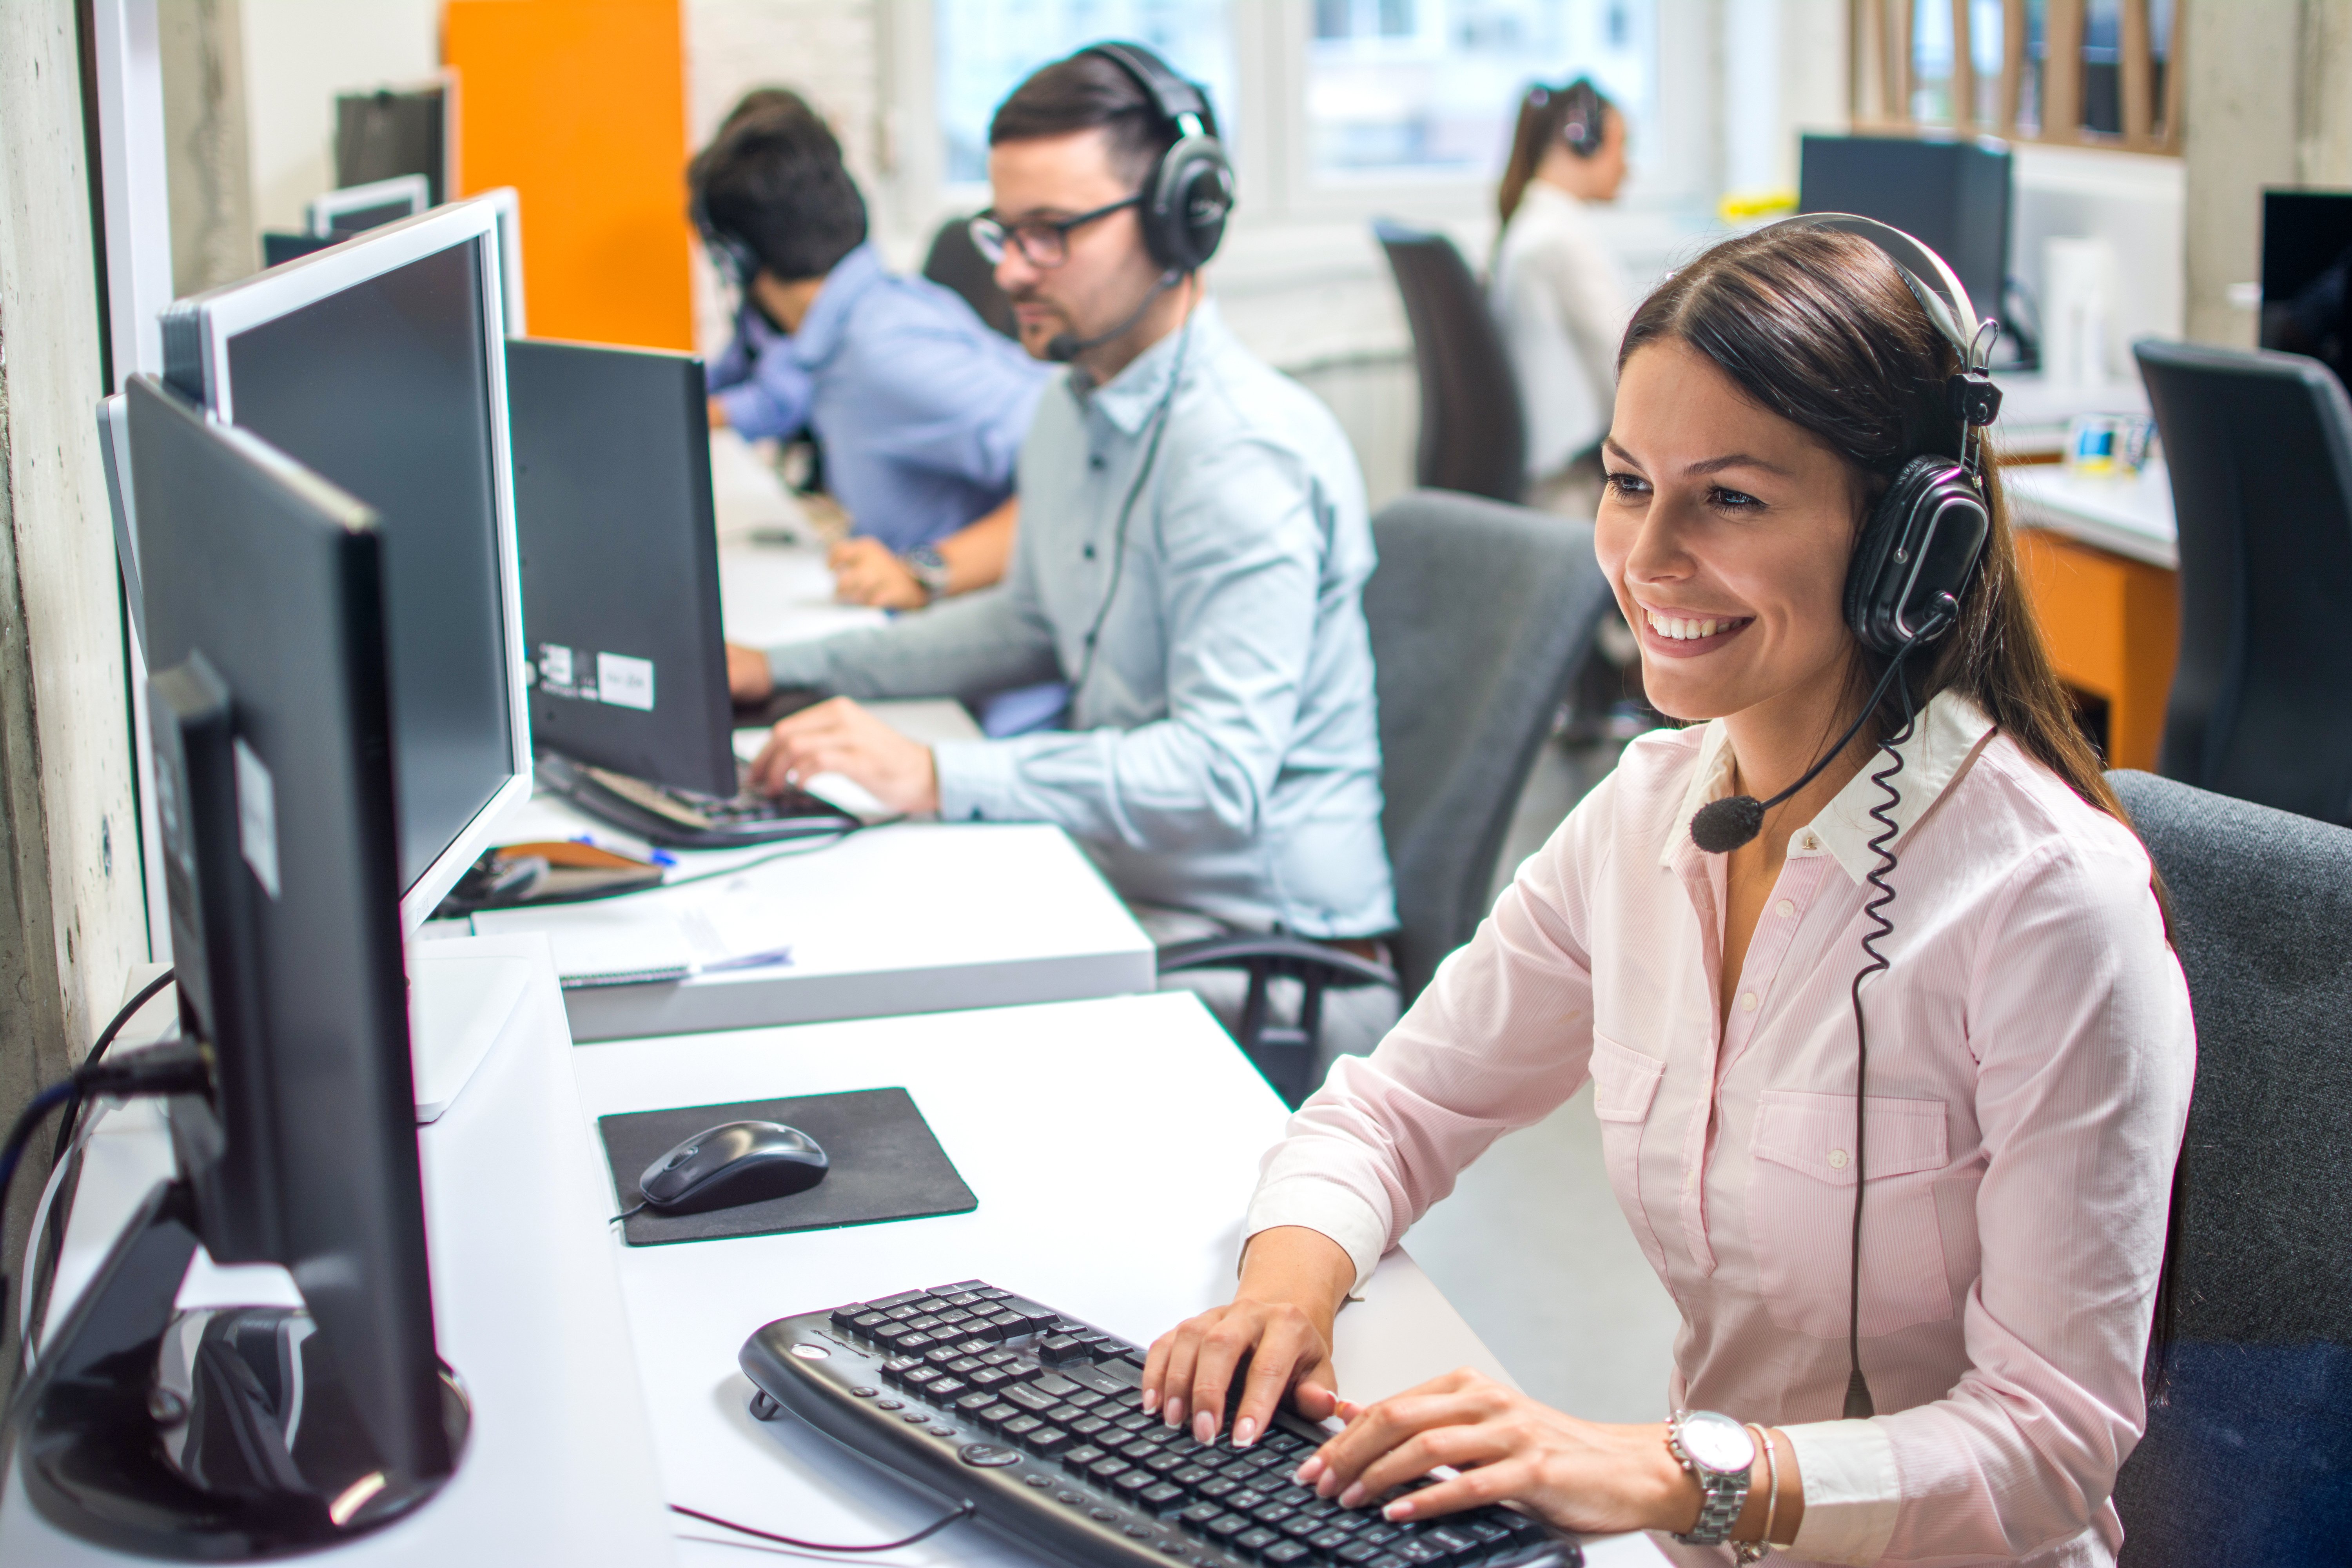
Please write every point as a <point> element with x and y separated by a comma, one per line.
<point>1800,1211</point>
<point>1624,1082</point>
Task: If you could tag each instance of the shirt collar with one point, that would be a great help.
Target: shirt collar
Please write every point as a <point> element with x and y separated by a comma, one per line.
<point>1544,193</point>
<point>1949,732</point>
<point>1128,398</point>
<point>828,313</point>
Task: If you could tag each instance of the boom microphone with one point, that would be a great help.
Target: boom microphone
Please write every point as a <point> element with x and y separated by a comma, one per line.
<point>1063,347</point>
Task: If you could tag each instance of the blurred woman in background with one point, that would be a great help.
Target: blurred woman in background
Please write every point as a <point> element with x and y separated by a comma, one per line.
<point>1557,294</point>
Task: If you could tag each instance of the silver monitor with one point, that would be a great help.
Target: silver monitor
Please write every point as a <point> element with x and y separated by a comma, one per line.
<point>380,363</point>
<point>372,205</point>
<point>507,202</point>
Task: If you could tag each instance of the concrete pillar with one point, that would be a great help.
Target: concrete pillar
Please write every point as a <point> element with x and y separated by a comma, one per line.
<point>71,918</point>
<point>210,174</point>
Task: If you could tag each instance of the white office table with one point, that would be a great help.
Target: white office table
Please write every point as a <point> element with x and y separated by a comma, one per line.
<point>1112,1144</point>
<point>558,1466</point>
<point>910,917</point>
<point>2130,515</point>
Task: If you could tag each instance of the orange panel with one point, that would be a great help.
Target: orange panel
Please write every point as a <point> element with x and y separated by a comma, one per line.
<point>2114,629</point>
<point>581,106</point>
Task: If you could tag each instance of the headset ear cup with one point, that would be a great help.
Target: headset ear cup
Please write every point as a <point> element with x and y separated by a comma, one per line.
<point>1191,195</point>
<point>1923,537</point>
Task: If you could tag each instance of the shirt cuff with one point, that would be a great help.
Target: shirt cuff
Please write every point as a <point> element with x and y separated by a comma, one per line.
<point>1325,1208</point>
<point>1852,1491</point>
<point>751,411</point>
<point>976,780</point>
<point>798,664</point>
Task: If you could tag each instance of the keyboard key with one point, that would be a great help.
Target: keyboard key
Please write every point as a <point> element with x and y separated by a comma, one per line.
<point>963,1365</point>
<point>1079,1457</point>
<point>1416,1553</point>
<point>948,1388</point>
<point>1220,1486</point>
<point>1302,1524</point>
<point>1164,1463</point>
<point>1258,1537</point>
<point>998,1414</point>
<point>1191,1476</point>
<point>1110,1465</point>
<point>1284,1553</point>
<point>1137,1421</point>
<point>1134,1481</point>
<point>1226,1526</point>
<point>1003,1326</point>
<point>846,1315</point>
<point>974,1404</point>
<point>1047,1441</point>
<point>1087,1426</point>
<point>1059,1350</point>
<point>923,1376</point>
<point>1485,1532</point>
<point>1357,1553</point>
<point>897,1367</point>
<point>907,1341</point>
<point>1060,1388</point>
<point>989,1292</point>
<point>900,1299</point>
<point>992,1377</point>
<point>1028,1398</point>
<point>1198,1513</point>
<point>1085,1396</point>
<point>1248,1500</point>
<point>1021,1426</point>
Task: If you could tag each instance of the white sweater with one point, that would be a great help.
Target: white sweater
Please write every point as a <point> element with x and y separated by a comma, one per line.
<point>1559,299</point>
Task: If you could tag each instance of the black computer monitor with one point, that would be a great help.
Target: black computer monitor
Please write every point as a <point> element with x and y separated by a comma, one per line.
<point>2307,276</point>
<point>380,363</point>
<point>1952,196</point>
<point>394,131</point>
<point>270,709</point>
<point>620,562</point>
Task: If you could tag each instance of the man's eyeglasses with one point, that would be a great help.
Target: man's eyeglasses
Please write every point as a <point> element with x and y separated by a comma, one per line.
<point>1045,242</point>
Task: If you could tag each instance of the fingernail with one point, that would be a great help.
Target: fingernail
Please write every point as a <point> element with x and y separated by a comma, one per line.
<point>1204,1427</point>
<point>1400,1509</point>
<point>1176,1411</point>
<point>1327,1486</point>
<point>1309,1470</point>
<point>1150,1400</point>
<point>1244,1432</point>
<point>1353,1497</point>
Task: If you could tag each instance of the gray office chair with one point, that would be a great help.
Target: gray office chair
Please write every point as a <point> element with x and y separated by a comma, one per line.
<point>1480,616</point>
<point>2249,1457</point>
<point>1473,434</point>
<point>955,262</point>
<point>2259,447</point>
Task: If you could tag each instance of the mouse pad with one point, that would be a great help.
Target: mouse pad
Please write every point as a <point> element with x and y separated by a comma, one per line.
<point>886,1165</point>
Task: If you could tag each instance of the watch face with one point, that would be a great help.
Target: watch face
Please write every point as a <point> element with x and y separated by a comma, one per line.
<point>1718,1443</point>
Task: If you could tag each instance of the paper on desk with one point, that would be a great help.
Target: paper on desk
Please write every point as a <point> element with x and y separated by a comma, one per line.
<point>622,941</point>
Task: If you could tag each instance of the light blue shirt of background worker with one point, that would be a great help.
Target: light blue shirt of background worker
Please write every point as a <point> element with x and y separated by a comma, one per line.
<point>1192,554</point>
<point>918,407</point>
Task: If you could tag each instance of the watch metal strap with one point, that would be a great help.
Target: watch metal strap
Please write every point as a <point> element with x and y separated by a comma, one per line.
<point>1722,1494</point>
<point>930,569</point>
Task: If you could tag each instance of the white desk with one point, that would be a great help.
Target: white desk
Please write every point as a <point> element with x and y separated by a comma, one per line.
<point>2129,515</point>
<point>912,918</point>
<point>1112,1144</point>
<point>2035,413</point>
<point>558,1466</point>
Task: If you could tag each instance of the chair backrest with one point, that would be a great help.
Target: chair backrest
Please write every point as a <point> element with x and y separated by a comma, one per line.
<point>955,262</point>
<point>1473,434</point>
<point>2260,447</point>
<point>2250,1458</point>
<point>1480,616</point>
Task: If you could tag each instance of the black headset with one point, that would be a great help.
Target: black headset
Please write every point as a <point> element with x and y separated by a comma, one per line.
<point>1917,551</point>
<point>1188,193</point>
<point>1588,115</point>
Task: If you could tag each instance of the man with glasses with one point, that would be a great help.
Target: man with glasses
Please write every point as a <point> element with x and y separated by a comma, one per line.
<point>1192,552</point>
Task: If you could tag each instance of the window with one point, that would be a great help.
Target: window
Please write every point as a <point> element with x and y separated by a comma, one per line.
<point>1433,86</point>
<point>985,47</point>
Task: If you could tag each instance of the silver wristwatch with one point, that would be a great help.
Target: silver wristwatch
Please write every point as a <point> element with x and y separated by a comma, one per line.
<point>930,569</point>
<point>1720,1455</point>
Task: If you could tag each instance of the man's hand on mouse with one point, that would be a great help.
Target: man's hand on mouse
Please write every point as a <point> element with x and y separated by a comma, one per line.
<point>840,737</point>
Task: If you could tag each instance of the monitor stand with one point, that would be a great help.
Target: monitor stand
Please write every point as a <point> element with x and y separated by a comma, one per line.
<point>214,1436</point>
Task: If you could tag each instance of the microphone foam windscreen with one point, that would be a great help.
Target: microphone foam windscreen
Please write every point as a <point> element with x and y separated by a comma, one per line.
<point>1723,826</point>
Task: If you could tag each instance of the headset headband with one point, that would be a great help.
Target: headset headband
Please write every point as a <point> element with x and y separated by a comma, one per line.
<point>1176,98</point>
<point>1929,279</point>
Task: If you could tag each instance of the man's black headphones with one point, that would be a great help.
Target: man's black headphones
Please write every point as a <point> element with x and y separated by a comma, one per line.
<point>1188,193</point>
<point>1922,540</point>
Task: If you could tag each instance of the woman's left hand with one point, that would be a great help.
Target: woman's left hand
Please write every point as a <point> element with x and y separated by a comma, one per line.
<point>1578,1474</point>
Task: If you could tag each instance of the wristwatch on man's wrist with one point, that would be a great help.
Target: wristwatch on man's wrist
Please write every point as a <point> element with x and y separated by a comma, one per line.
<point>1720,1455</point>
<point>930,569</point>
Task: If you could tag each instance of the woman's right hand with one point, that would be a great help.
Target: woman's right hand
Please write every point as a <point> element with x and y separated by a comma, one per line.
<point>1293,1281</point>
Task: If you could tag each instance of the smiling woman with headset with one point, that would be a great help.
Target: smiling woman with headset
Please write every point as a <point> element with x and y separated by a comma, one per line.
<point>1890,1053</point>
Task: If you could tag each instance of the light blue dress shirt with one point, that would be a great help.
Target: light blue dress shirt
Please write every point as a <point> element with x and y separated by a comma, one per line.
<point>1224,749</point>
<point>920,408</point>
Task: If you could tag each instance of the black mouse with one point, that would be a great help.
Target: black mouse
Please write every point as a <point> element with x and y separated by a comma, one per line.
<point>738,1162</point>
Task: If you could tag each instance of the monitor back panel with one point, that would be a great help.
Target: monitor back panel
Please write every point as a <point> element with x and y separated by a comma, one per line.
<point>1953,197</point>
<point>276,579</point>
<point>620,562</point>
<point>384,390</point>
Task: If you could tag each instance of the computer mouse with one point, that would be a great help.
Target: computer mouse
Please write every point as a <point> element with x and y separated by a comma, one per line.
<point>734,1163</point>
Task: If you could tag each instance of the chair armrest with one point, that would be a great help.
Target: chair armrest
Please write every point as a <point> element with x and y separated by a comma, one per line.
<point>1289,956</point>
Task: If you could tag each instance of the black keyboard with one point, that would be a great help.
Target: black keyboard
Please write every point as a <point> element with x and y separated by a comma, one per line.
<point>662,816</point>
<point>1035,1419</point>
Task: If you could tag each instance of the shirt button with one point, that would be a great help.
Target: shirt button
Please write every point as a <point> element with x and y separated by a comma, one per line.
<point>1095,462</point>
<point>1784,908</point>
<point>1090,553</point>
<point>1748,1002</point>
<point>1837,1159</point>
<point>1811,842</point>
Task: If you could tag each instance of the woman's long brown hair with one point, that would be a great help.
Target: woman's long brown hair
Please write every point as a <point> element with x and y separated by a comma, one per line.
<point>1544,111</point>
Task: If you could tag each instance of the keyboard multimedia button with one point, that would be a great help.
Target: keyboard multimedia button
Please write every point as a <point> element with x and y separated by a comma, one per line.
<point>864,1391</point>
<point>1141,1531</point>
<point>1173,1548</point>
<point>987,1455</point>
<point>916,1418</point>
<point>1073,1498</point>
<point>890,1404</point>
<point>942,1431</point>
